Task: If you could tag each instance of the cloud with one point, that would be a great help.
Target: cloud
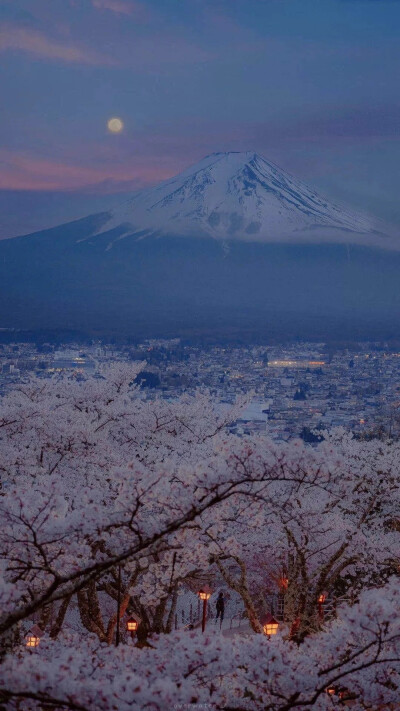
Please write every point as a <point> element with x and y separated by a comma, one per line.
<point>154,153</point>
<point>34,42</point>
<point>120,7</point>
<point>24,170</point>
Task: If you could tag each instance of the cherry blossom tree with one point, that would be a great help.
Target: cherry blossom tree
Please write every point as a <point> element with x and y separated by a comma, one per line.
<point>109,494</point>
<point>334,533</point>
<point>357,657</point>
<point>94,455</point>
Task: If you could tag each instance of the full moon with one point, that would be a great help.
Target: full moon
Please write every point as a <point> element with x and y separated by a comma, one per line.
<point>115,125</point>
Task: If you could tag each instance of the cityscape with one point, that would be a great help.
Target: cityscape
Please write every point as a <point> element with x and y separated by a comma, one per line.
<point>297,390</point>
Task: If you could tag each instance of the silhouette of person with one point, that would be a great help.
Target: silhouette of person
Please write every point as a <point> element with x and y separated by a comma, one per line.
<point>220,607</point>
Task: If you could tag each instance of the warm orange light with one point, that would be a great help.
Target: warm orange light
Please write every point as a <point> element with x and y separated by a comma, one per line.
<point>204,595</point>
<point>330,690</point>
<point>132,624</point>
<point>283,583</point>
<point>271,627</point>
<point>322,598</point>
<point>32,640</point>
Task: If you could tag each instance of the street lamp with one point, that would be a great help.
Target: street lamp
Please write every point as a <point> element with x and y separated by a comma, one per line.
<point>270,625</point>
<point>321,600</point>
<point>131,625</point>
<point>33,637</point>
<point>204,594</point>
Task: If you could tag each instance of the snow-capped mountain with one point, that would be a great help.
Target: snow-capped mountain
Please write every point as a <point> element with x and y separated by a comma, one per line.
<point>239,196</point>
<point>233,247</point>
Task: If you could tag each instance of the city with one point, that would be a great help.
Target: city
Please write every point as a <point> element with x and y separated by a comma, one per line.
<point>290,391</point>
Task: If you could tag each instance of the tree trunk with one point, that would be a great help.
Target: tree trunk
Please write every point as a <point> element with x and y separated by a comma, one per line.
<point>171,615</point>
<point>45,616</point>
<point>56,628</point>
<point>113,620</point>
<point>90,613</point>
<point>242,589</point>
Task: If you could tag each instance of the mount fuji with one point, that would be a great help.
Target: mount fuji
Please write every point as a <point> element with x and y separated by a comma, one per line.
<point>239,196</point>
<point>231,247</point>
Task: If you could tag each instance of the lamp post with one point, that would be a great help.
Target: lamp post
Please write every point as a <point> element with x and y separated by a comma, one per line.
<point>331,691</point>
<point>270,625</point>
<point>204,594</point>
<point>131,625</point>
<point>321,600</point>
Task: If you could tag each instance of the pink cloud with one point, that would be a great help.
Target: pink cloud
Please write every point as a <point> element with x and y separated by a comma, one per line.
<point>155,56</point>
<point>26,171</point>
<point>28,40</point>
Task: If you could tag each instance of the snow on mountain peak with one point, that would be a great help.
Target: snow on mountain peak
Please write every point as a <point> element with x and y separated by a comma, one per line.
<point>240,195</point>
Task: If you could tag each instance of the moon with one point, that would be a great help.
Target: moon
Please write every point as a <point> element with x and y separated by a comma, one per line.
<point>115,125</point>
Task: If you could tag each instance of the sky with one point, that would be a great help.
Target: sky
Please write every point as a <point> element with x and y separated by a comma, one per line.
<point>312,85</point>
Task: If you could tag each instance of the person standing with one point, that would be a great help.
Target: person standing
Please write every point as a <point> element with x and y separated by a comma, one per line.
<point>220,606</point>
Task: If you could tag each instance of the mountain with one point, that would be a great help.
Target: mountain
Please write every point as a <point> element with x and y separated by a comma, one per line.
<point>232,247</point>
<point>239,196</point>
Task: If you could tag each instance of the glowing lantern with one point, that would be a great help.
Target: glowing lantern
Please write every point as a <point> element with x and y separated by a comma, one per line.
<point>331,691</point>
<point>32,640</point>
<point>205,593</point>
<point>321,600</point>
<point>33,637</point>
<point>270,626</point>
<point>132,625</point>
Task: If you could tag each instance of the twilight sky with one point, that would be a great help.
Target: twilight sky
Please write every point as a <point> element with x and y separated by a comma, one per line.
<point>311,84</point>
